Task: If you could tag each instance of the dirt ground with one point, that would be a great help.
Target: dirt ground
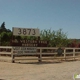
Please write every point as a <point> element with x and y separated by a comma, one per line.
<point>39,71</point>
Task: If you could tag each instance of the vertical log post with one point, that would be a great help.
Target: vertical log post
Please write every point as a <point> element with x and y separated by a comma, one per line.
<point>73,53</point>
<point>65,54</point>
<point>40,56</point>
<point>13,57</point>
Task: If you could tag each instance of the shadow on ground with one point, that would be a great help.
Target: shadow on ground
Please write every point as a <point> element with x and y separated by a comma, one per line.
<point>38,63</point>
<point>45,62</point>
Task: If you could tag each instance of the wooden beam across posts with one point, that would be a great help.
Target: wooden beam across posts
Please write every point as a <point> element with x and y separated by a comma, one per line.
<point>69,53</point>
<point>47,54</point>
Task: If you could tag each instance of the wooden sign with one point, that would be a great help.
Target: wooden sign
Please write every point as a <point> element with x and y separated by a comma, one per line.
<point>24,50</point>
<point>25,42</point>
<point>25,31</point>
<point>29,43</point>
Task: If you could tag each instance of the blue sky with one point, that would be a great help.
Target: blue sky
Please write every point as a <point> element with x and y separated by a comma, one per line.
<point>42,14</point>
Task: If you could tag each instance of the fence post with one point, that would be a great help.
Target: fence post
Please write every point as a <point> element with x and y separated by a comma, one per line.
<point>13,61</point>
<point>74,53</point>
<point>65,54</point>
<point>40,56</point>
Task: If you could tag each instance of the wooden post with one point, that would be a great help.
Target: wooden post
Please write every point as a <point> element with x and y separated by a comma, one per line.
<point>13,57</point>
<point>13,61</point>
<point>40,56</point>
<point>65,54</point>
<point>74,53</point>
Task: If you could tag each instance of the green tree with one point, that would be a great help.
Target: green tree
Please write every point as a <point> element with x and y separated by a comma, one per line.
<point>4,38</point>
<point>2,28</point>
<point>61,38</point>
<point>48,35</point>
<point>56,38</point>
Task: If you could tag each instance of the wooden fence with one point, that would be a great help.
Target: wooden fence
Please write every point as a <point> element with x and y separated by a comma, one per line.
<point>43,53</point>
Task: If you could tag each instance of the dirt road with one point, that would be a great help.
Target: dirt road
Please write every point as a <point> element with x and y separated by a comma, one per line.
<point>39,71</point>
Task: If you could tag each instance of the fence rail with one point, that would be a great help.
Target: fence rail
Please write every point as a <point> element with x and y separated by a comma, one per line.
<point>43,53</point>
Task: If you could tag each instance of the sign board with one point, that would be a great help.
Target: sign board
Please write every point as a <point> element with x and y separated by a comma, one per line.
<point>29,43</point>
<point>24,50</point>
<point>25,31</point>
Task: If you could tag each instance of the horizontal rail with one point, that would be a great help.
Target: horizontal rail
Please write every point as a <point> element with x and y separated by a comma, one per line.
<point>50,51</point>
<point>7,47</point>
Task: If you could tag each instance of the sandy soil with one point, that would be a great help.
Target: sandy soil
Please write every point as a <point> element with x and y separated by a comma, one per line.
<point>39,71</point>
